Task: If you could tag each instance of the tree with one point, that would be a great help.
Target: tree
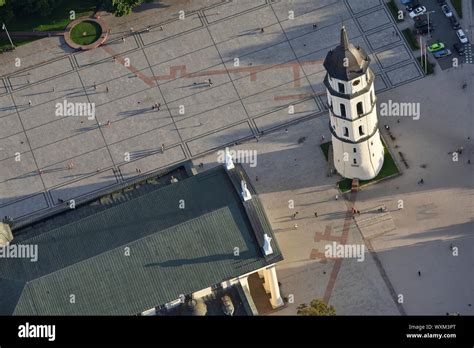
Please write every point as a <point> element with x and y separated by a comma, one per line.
<point>122,7</point>
<point>316,307</point>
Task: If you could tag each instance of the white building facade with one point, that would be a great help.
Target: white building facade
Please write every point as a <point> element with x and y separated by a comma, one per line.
<point>358,151</point>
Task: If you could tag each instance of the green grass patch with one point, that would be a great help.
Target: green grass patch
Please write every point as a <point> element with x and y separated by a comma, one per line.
<point>429,65</point>
<point>4,43</point>
<point>457,4</point>
<point>389,168</point>
<point>393,8</point>
<point>85,33</point>
<point>325,148</point>
<point>57,20</point>
<point>411,39</point>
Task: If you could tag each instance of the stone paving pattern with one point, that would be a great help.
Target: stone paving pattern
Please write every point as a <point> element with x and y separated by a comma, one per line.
<point>277,68</point>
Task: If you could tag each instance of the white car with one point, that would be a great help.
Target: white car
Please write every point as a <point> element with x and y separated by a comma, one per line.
<point>417,12</point>
<point>461,36</point>
<point>447,11</point>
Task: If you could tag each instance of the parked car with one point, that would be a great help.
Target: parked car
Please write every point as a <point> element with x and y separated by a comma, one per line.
<point>421,23</point>
<point>459,48</point>
<point>454,23</point>
<point>423,30</point>
<point>437,46</point>
<point>417,11</point>
<point>442,2</point>
<point>443,53</point>
<point>447,11</point>
<point>461,36</point>
<point>412,6</point>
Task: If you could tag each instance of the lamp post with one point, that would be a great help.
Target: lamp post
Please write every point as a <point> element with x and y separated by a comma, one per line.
<point>4,27</point>
<point>428,16</point>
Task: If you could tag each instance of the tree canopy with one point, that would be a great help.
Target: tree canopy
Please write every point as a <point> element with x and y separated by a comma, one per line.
<point>317,307</point>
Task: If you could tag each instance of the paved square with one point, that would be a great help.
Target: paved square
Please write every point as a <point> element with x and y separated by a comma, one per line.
<point>217,77</point>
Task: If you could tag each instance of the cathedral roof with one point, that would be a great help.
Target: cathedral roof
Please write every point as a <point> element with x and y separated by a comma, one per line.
<point>357,61</point>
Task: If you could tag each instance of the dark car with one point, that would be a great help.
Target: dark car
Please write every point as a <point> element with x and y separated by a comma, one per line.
<point>454,23</point>
<point>442,2</point>
<point>412,6</point>
<point>423,30</point>
<point>459,48</point>
<point>422,23</point>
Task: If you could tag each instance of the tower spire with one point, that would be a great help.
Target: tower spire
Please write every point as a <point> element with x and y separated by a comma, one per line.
<point>344,38</point>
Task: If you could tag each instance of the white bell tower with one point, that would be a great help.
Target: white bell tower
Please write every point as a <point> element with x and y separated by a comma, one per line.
<point>357,147</point>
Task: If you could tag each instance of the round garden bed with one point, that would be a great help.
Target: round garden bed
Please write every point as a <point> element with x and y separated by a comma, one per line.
<point>86,33</point>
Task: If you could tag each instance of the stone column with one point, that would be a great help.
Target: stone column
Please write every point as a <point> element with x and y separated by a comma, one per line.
<point>271,282</point>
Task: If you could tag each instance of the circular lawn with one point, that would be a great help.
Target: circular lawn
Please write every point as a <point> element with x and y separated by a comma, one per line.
<point>85,33</point>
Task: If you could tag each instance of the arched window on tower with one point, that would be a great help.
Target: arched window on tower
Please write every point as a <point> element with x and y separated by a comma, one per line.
<point>341,87</point>
<point>360,109</point>
<point>343,110</point>
<point>361,131</point>
<point>346,131</point>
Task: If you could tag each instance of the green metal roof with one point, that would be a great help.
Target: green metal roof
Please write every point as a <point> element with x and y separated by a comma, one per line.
<point>173,251</point>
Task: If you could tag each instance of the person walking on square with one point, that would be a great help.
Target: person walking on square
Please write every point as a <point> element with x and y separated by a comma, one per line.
<point>162,148</point>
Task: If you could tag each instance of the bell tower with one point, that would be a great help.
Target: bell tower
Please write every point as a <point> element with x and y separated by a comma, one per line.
<point>357,147</point>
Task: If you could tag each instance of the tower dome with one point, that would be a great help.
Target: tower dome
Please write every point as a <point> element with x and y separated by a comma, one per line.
<point>346,62</point>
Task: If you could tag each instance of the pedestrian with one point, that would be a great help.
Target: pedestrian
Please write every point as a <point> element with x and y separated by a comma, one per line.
<point>396,33</point>
<point>162,148</point>
<point>296,226</point>
<point>210,82</point>
<point>148,29</point>
<point>70,165</point>
<point>294,215</point>
<point>158,106</point>
<point>337,197</point>
<point>106,89</point>
<point>393,32</point>
<point>29,102</point>
<point>131,30</point>
<point>256,178</point>
<point>108,123</point>
<point>421,181</point>
<point>94,86</point>
<point>419,274</point>
<point>322,138</point>
<point>286,130</point>
<point>315,214</point>
<point>53,89</point>
<point>123,39</point>
<point>451,246</point>
<point>468,161</point>
<point>40,171</point>
<point>114,58</point>
<point>161,27</point>
<point>358,212</point>
<point>201,165</point>
<point>460,150</point>
<point>262,30</point>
